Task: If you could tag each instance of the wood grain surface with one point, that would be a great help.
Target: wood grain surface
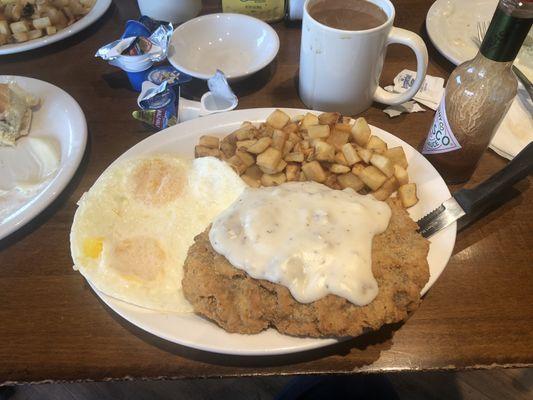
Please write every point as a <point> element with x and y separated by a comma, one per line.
<point>53,327</point>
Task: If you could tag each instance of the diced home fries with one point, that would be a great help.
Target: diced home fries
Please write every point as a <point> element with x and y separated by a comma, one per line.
<point>331,149</point>
<point>23,20</point>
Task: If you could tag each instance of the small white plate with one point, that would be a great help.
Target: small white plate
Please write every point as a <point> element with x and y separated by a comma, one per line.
<point>96,12</point>
<point>193,331</point>
<point>451,25</point>
<point>61,118</point>
<point>236,44</point>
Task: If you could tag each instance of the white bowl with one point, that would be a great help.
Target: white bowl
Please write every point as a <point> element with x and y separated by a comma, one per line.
<point>236,44</point>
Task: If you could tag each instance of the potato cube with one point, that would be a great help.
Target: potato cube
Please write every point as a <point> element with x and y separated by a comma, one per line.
<point>329,118</point>
<point>293,172</point>
<point>251,182</point>
<point>269,159</point>
<point>364,154</point>
<point>388,188</point>
<point>228,145</point>
<point>309,120</point>
<point>281,166</point>
<point>339,169</point>
<point>358,168</point>
<point>360,131</point>
<point>291,127</point>
<point>372,177</point>
<point>345,127</point>
<point>245,133</point>
<point>401,175</point>
<point>331,181</point>
<point>18,27</point>
<point>407,194</point>
<point>42,23</point>
<point>302,177</point>
<point>324,151</point>
<point>209,141</point>
<point>297,118</point>
<point>383,164</point>
<point>376,144</point>
<point>246,158</point>
<point>20,37</point>
<point>278,119</point>
<point>305,144</point>
<point>318,131</point>
<point>293,137</point>
<point>237,164</point>
<point>246,144</point>
<point>397,156</point>
<point>351,181</point>
<point>273,180</point>
<point>294,157</point>
<point>50,30</point>
<point>34,34</point>
<point>261,145</point>
<point>350,154</point>
<point>310,154</point>
<point>340,159</point>
<point>278,139</point>
<point>4,28</point>
<point>254,172</point>
<point>289,145</point>
<point>265,130</point>
<point>314,171</point>
<point>338,138</point>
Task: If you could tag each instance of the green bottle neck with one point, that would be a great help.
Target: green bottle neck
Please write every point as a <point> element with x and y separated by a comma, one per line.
<point>505,36</point>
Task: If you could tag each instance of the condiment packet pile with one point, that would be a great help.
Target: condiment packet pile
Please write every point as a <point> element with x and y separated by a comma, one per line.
<point>430,93</point>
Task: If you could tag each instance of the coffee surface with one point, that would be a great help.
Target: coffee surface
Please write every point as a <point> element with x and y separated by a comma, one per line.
<point>349,15</point>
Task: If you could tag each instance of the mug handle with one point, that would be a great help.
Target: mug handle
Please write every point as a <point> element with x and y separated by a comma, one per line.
<point>415,42</point>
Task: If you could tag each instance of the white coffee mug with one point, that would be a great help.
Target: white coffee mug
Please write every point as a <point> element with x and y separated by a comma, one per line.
<point>175,11</point>
<point>340,69</point>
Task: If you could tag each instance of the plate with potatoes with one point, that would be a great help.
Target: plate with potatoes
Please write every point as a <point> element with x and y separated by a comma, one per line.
<point>268,146</point>
<point>29,24</point>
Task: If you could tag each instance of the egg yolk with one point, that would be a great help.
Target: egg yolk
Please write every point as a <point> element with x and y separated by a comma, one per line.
<point>140,258</point>
<point>92,247</point>
<point>157,182</point>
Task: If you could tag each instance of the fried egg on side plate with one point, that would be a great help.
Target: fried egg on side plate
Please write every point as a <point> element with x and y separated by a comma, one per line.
<point>133,228</point>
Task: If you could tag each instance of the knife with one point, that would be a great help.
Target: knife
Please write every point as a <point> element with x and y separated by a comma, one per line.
<point>466,201</point>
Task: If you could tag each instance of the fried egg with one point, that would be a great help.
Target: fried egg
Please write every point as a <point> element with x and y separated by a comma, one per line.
<point>133,228</point>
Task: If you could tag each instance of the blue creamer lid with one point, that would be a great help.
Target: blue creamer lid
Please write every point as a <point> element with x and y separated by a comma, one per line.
<point>168,74</point>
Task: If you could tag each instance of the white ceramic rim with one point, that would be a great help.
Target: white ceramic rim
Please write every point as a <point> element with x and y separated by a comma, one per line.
<point>389,21</point>
<point>96,12</point>
<point>269,57</point>
<point>67,168</point>
<point>192,129</point>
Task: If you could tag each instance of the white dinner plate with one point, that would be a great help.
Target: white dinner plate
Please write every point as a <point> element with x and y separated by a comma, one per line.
<point>451,25</point>
<point>193,331</point>
<point>96,12</point>
<point>59,117</point>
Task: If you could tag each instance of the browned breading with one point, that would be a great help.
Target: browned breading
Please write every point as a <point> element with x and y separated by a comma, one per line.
<point>241,304</point>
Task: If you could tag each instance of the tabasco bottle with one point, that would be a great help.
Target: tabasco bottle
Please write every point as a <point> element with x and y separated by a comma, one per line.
<point>478,94</point>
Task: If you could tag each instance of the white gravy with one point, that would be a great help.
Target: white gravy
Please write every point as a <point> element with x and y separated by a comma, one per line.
<point>303,235</point>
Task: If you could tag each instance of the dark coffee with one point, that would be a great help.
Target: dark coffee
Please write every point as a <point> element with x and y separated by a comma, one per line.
<point>349,15</point>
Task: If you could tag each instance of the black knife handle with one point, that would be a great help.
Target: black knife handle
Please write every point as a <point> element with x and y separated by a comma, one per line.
<point>517,169</point>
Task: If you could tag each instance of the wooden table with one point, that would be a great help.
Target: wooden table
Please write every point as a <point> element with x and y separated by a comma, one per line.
<point>53,327</point>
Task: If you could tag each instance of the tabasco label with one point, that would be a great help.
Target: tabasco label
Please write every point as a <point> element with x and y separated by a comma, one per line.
<point>440,137</point>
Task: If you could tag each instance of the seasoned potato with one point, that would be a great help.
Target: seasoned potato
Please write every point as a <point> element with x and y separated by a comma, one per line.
<point>278,139</point>
<point>42,23</point>
<point>20,37</point>
<point>246,144</point>
<point>350,181</point>
<point>50,30</point>
<point>280,167</point>
<point>293,172</point>
<point>278,119</point>
<point>246,158</point>
<point>324,151</point>
<point>261,145</point>
<point>314,171</point>
<point>254,172</point>
<point>34,34</point>
<point>338,138</point>
<point>397,156</point>
<point>309,120</point>
<point>251,182</point>
<point>361,132</point>
<point>228,145</point>
<point>350,154</point>
<point>383,164</point>
<point>269,160</point>
<point>19,27</point>
<point>209,141</point>
<point>291,127</point>
<point>237,164</point>
<point>376,144</point>
<point>339,169</point>
<point>340,159</point>
<point>407,194</point>
<point>364,154</point>
<point>318,131</point>
<point>245,133</point>
<point>203,151</point>
<point>273,180</point>
<point>388,188</point>
<point>401,175</point>
<point>372,177</point>
<point>358,168</point>
<point>329,118</point>
<point>4,30</point>
<point>289,145</point>
<point>345,127</point>
<point>294,157</point>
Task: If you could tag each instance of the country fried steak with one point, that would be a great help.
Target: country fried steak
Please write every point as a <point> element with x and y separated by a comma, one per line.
<point>241,304</point>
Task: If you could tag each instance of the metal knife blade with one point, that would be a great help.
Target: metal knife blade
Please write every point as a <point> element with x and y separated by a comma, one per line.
<point>445,214</point>
<point>469,201</point>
